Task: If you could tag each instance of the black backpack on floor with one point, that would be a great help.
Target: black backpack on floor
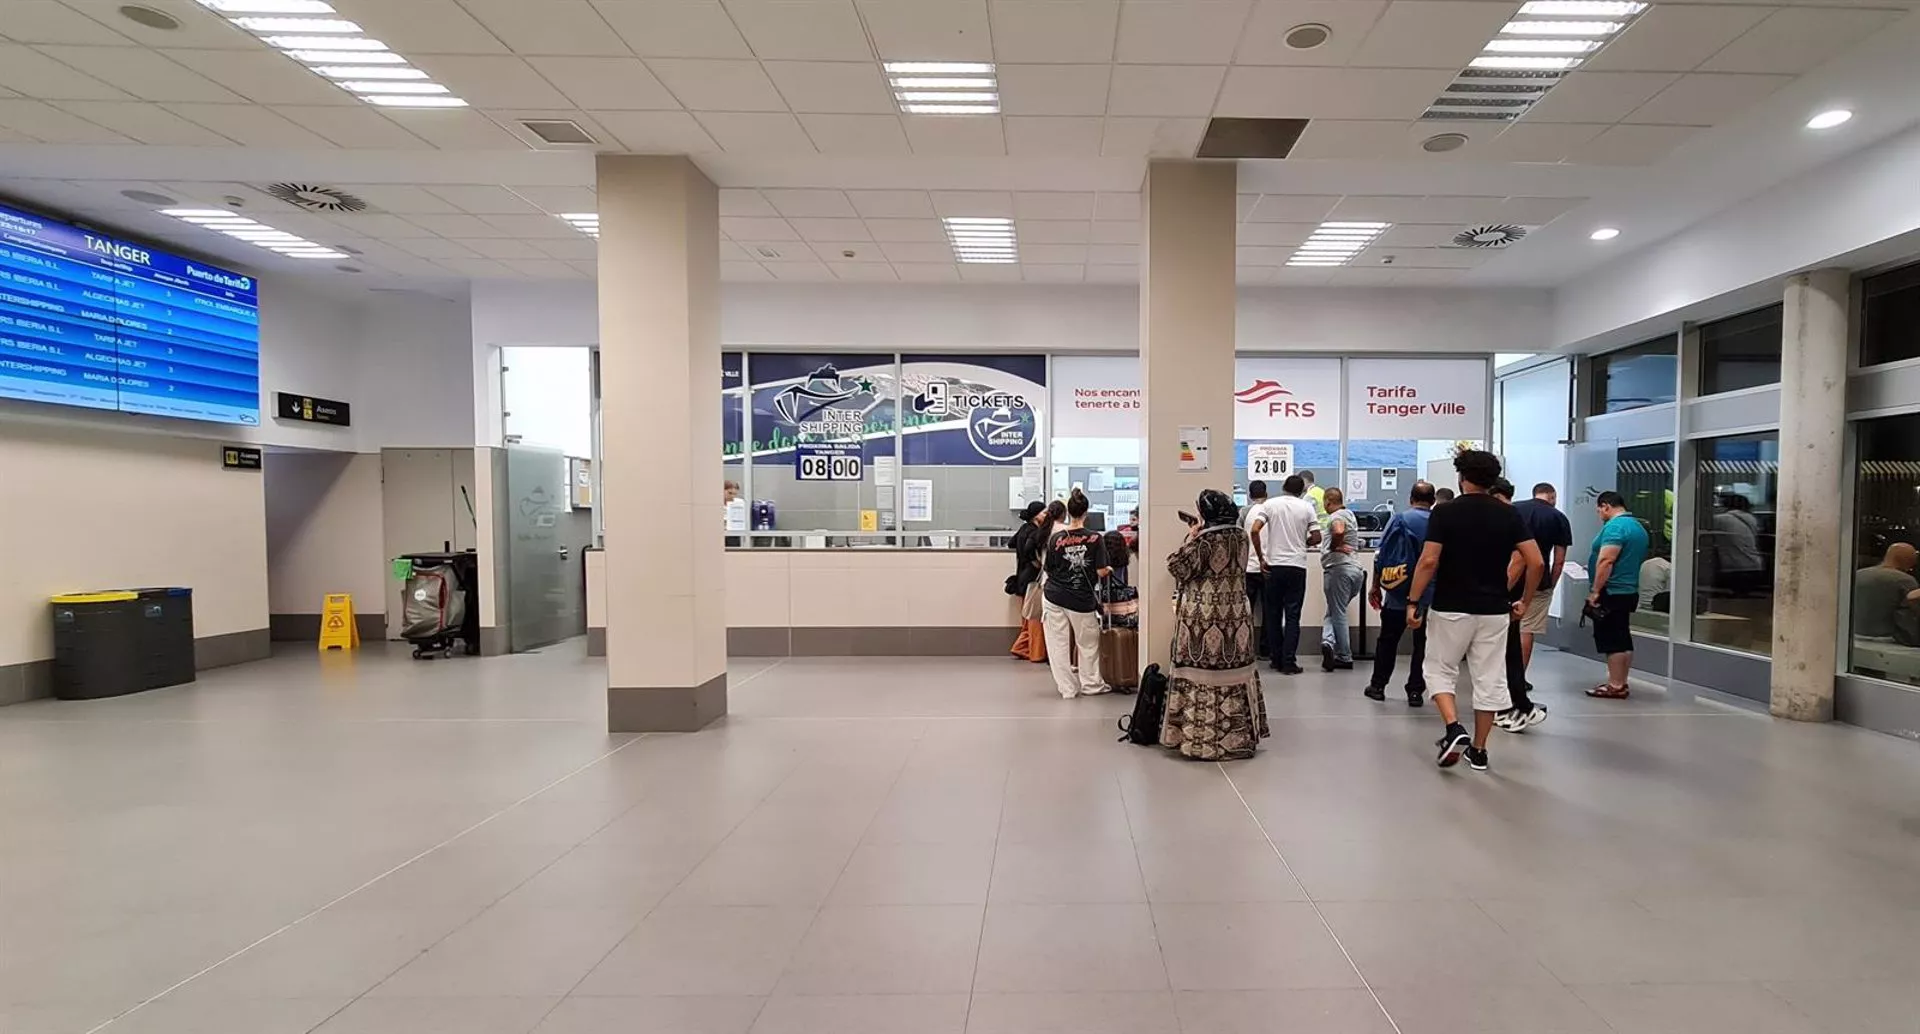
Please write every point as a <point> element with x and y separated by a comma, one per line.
<point>1142,727</point>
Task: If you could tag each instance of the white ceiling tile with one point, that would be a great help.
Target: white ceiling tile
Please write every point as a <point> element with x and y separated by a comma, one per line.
<point>416,27</point>
<point>1631,145</point>
<point>822,204</point>
<point>892,204</point>
<point>1265,41</point>
<point>1798,39</point>
<point>1427,277</point>
<point>493,80</point>
<point>506,248</point>
<point>731,252</point>
<point>804,272</point>
<point>1053,204</point>
<point>812,229</point>
<point>1293,208</point>
<point>1336,93</point>
<point>778,251</point>
<point>434,248</point>
<point>802,30</point>
<point>147,123</point>
<point>1363,276</point>
<point>455,129</point>
<point>1441,258</point>
<point>1152,137</point>
<point>973,203</point>
<point>957,136</point>
<point>718,85</point>
<point>1122,206</point>
<point>744,202</point>
<point>906,231</point>
<point>1112,254</point>
<point>197,26</point>
<point>532,226</point>
<point>1531,141</point>
<point>34,74</point>
<point>479,199</point>
<point>1253,275</point>
<point>1674,38</point>
<point>918,251</point>
<point>1454,209</point>
<point>1338,138</point>
<point>400,199</point>
<point>608,83</point>
<point>1598,96</point>
<point>674,28</point>
<point>1054,30</point>
<point>927,272</point>
<point>570,27</point>
<point>1053,231</point>
<point>1044,273</point>
<point>1273,235</point>
<point>478,268</point>
<point>1302,277</point>
<point>541,268</point>
<point>863,271</point>
<point>378,225</point>
<point>1165,91</point>
<point>50,21</point>
<point>748,228</point>
<point>1243,206</point>
<point>1706,99</point>
<point>1180,32</point>
<point>456,226</point>
<point>358,125</point>
<point>1537,211</point>
<point>989,273</point>
<point>48,124</point>
<point>1042,137</point>
<point>579,249</point>
<point>740,271</point>
<point>1418,235</point>
<point>1053,89</point>
<point>928,30</point>
<point>146,74</point>
<point>1053,254</point>
<point>857,134</point>
<point>847,251</point>
<point>557,199</point>
<point>832,87</point>
<point>249,125</point>
<point>756,132</point>
<point>1432,34</point>
<point>1116,233</point>
<point>1113,274</point>
<point>657,132</point>
<point>265,77</point>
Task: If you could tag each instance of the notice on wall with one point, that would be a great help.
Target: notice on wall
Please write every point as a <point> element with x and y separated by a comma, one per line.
<point>1032,480</point>
<point>1427,398</point>
<point>916,502</point>
<point>883,471</point>
<point>1356,486</point>
<point>1016,492</point>
<point>1099,479</point>
<point>1125,499</point>
<point>1195,446</point>
<point>1389,479</point>
<point>1268,461</point>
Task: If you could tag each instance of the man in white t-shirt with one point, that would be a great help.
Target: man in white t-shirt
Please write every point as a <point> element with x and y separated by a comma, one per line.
<point>1256,578</point>
<point>1283,529</point>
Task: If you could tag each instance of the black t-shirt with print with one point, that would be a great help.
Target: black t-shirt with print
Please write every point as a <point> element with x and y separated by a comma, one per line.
<point>1074,559</point>
<point>1479,534</point>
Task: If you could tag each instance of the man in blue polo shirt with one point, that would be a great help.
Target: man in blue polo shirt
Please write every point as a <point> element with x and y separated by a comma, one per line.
<point>1614,593</point>
<point>1393,564</point>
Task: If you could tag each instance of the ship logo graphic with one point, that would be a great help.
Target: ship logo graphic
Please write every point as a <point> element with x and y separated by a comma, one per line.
<point>1260,391</point>
<point>822,389</point>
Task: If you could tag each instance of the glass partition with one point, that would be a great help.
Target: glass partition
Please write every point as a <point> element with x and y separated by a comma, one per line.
<point>1646,374</point>
<point>1884,641</point>
<point>1890,317</point>
<point>1643,474</point>
<point>822,407</point>
<point>970,436</point>
<point>1740,352</point>
<point>1734,524</point>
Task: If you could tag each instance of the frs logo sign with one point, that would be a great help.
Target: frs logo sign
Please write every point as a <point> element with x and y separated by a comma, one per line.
<point>1273,398</point>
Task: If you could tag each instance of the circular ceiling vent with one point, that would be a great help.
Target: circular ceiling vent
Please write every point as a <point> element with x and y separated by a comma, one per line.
<point>316,199</point>
<point>1496,236</point>
<point>148,197</point>
<point>1441,143</point>
<point>1308,36</point>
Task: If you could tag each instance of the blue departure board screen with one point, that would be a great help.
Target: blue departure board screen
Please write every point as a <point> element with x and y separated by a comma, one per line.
<point>90,320</point>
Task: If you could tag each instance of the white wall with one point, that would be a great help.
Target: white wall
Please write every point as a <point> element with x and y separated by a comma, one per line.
<point>92,508</point>
<point>415,374</point>
<point>547,397</point>
<point>324,531</point>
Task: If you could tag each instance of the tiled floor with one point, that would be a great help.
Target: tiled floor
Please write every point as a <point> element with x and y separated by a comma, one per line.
<point>871,846</point>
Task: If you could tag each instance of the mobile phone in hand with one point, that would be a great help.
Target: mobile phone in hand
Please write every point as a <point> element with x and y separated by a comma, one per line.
<point>1189,518</point>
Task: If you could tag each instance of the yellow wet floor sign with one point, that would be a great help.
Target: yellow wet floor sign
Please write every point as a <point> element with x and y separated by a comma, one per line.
<point>338,630</point>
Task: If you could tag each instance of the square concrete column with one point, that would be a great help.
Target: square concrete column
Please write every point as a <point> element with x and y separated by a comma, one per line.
<point>1813,418</point>
<point>660,479</point>
<point>1187,297</point>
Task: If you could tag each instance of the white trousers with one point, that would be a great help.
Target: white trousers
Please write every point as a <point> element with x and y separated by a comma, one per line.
<point>1066,628</point>
<point>1478,639</point>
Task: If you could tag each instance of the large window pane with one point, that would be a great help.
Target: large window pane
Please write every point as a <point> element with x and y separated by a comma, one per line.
<point>1646,374</point>
<point>1886,504</point>
<point>1741,352</point>
<point>968,426</point>
<point>1738,480</point>
<point>733,445</point>
<point>822,400</point>
<point>1890,317</point>
<point>1643,474</point>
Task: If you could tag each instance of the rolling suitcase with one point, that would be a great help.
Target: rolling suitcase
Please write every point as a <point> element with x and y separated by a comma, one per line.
<point>1119,645</point>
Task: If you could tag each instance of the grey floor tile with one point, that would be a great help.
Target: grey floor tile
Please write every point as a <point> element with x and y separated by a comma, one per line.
<point>1069,948</point>
<point>1694,1008</point>
<point>1383,869</point>
<point>1066,872</point>
<point>1073,1012</point>
<point>513,952</point>
<point>864,1014</point>
<point>702,950</point>
<point>653,1015</point>
<point>198,1015</point>
<point>337,952</point>
<point>1453,1009</point>
<point>611,877</point>
<point>1602,941</point>
<point>1431,943</point>
<point>916,874</point>
<point>1306,1011</point>
<point>886,949</point>
<point>1855,1006</point>
<point>1249,946</point>
<point>55,1017</point>
<point>480,1015</point>
<point>747,872</point>
<point>1216,870</point>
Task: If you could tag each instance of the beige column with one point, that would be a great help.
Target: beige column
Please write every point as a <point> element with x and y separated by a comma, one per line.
<point>1186,364</point>
<point>660,425</point>
<point>1813,413</point>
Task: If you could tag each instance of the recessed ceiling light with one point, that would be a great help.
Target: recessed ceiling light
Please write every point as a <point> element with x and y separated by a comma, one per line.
<point>331,26</point>
<point>1605,233</point>
<point>270,6</point>
<point>1336,243</point>
<point>391,86</point>
<point>1583,8</point>
<point>1530,54</point>
<point>369,72</point>
<point>244,229</point>
<point>943,82</point>
<point>1541,46</point>
<point>586,222</point>
<point>1562,28</point>
<point>1830,119</point>
<point>324,43</point>
<point>1307,37</point>
<point>938,68</point>
<point>944,87</point>
<point>1441,143</point>
<point>149,17</point>
<point>407,100</point>
<point>1525,62</point>
<point>950,109</point>
<point>337,49</point>
<point>982,239</point>
<point>363,57</point>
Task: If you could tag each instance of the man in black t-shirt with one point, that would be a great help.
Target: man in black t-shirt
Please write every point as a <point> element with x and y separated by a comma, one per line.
<point>1469,542</point>
<point>1076,560</point>
<point>1554,535</point>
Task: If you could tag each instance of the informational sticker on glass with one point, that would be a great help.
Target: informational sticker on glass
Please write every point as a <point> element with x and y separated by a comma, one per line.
<point>1356,486</point>
<point>917,499</point>
<point>1389,478</point>
<point>1269,462</point>
<point>1195,445</point>
<point>1287,398</point>
<point>832,461</point>
<point>971,410</point>
<point>1096,396</point>
<point>883,471</point>
<point>1032,479</point>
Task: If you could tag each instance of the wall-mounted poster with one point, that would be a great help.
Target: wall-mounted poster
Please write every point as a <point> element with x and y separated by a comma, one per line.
<point>971,410</point>
<point>1418,399</point>
<point>822,399</point>
<point>1096,396</point>
<point>1286,399</point>
<point>733,406</point>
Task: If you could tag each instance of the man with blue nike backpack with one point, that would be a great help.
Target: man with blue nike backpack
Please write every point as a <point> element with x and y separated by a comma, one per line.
<point>1393,564</point>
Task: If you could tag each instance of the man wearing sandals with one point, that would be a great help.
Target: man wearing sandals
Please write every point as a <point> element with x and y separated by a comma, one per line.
<point>1614,593</point>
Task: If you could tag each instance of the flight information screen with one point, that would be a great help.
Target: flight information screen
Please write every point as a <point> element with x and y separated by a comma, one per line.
<point>89,320</point>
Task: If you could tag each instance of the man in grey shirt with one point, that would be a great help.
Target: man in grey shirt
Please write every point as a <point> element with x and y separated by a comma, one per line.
<point>1886,598</point>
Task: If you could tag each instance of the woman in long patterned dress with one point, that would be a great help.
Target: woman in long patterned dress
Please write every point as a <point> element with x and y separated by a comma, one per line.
<point>1214,708</point>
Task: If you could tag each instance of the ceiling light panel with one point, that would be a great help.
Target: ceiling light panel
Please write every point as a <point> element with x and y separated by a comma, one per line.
<point>1532,52</point>
<point>241,228</point>
<point>586,222</point>
<point>985,240</point>
<point>1337,243</point>
<point>944,87</point>
<point>311,32</point>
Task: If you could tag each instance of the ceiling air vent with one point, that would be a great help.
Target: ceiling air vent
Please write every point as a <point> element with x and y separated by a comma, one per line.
<point>1496,235</point>
<point>558,131</point>
<point>1251,137</point>
<point>316,199</point>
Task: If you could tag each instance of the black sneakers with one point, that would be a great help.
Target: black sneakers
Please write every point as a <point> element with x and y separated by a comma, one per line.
<point>1416,698</point>
<point>1326,657</point>
<point>1477,758</point>
<point>1376,692</point>
<point>1453,744</point>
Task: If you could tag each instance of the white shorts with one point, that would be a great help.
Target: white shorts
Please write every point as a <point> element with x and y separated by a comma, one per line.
<point>1478,639</point>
